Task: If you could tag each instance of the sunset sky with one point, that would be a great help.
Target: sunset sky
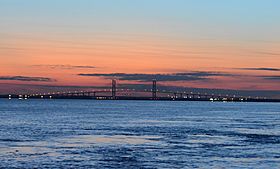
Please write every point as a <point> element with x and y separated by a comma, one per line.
<point>227,44</point>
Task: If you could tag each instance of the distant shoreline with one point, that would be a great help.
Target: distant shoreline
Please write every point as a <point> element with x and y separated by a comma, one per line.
<point>12,97</point>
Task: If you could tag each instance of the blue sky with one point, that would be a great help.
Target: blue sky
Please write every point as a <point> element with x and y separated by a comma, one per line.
<point>251,19</point>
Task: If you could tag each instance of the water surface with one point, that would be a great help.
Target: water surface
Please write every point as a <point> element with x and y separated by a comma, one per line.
<point>138,134</point>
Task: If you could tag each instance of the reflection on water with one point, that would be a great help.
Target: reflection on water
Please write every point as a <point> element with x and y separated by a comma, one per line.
<point>206,139</point>
<point>127,134</point>
<point>117,139</point>
<point>259,131</point>
<point>25,151</point>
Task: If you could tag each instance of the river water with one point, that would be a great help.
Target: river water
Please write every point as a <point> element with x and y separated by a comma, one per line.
<point>138,134</point>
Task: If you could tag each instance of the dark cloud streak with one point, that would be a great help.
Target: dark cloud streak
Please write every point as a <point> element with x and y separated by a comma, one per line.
<point>262,69</point>
<point>65,66</point>
<point>271,77</point>
<point>26,78</point>
<point>185,76</point>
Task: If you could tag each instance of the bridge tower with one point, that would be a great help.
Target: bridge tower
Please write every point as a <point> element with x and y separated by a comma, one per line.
<point>114,88</point>
<point>154,89</point>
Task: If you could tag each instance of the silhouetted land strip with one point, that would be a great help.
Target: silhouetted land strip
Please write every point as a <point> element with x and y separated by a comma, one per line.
<point>141,98</point>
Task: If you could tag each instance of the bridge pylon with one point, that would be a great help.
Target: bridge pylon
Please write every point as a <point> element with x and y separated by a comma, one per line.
<point>154,90</point>
<point>114,88</point>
